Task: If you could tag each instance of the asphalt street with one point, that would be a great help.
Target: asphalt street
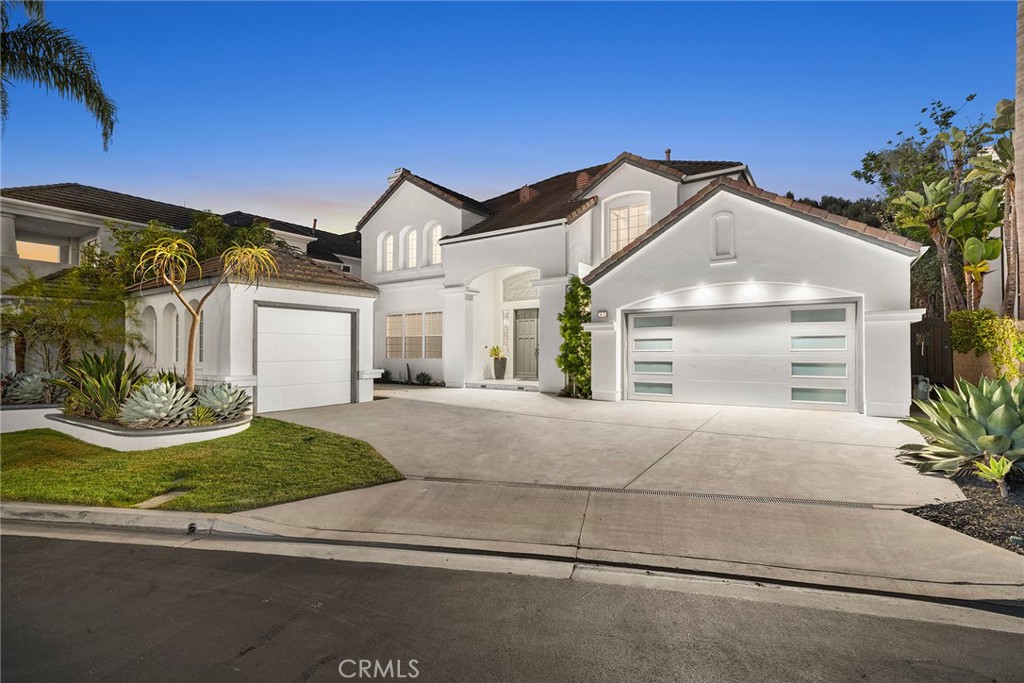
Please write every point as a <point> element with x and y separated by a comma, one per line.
<point>82,611</point>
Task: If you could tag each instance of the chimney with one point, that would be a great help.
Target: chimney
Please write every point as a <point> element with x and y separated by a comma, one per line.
<point>314,226</point>
<point>396,175</point>
<point>582,180</point>
<point>668,154</point>
<point>527,193</point>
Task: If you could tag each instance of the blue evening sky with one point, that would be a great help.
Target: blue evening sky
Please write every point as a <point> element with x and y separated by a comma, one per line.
<point>301,110</point>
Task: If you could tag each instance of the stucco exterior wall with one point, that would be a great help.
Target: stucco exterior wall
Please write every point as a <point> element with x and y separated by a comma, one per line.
<point>778,258</point>
<point>628,179</point>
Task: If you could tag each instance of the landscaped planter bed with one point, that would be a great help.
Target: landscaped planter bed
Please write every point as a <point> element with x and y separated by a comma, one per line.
<point>985,515</point>
<point>124,439</point>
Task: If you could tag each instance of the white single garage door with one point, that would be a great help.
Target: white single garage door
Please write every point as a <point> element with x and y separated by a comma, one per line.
<point>304,358</point>
<point>777,356</point>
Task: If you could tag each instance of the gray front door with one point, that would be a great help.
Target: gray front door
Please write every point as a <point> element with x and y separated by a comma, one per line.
<point>525,355</point>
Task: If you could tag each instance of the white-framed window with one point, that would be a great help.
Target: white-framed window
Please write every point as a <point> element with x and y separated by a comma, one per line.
<point>434,238</point>
<point>413,335</point>
<point>723,238</point>
<point>626,223</point>
<point>38,251</point>
<point>410,249</point>
<point>387,253</point>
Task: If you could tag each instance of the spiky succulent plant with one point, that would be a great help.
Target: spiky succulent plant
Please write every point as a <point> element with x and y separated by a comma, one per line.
<point>158,404</point>
<point>226,400</point>
<point>202,416</point>
<point>33,387</point>
<point>968,425</point>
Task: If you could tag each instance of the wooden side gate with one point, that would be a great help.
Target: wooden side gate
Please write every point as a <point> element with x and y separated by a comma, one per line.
<point>931,354</point>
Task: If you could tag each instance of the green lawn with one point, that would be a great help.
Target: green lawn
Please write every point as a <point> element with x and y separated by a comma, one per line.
<point>271,462</point>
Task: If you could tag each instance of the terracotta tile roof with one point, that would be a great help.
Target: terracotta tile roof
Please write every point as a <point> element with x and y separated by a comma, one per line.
<point>293,267</point>
<point>241,219</point>
<point>840,223</point>
<point>451,196</point>
<point>328,244</point>
<point>104,203</point>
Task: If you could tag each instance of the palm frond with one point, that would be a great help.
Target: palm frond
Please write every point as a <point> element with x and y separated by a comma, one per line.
<point>42,54</point>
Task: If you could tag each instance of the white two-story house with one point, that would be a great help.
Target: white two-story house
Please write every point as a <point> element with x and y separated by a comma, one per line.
<point>705,288</point>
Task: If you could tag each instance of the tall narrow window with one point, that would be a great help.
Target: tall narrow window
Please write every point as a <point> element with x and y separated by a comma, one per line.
<point>393,335</point>
<point>432,331</point>
<point>414,335</point>
<point>435,245</point>
<point>626,223</point>
<point>388,253</point>
<point>410,249</point>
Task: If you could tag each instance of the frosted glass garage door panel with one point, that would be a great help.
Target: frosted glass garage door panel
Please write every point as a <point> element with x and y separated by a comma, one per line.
<point>304,358</point>
<point>747,356</point>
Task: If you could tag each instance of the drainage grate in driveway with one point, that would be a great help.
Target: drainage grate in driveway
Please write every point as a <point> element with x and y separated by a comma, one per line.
<point>650,492</point>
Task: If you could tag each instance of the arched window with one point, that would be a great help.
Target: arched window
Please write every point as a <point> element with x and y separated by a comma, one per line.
<point>149,334</point>
<point>410,249</point>
<point>167,353</point>
<point>723,238</point>
<point>387,253</point>
<point>434,239</point>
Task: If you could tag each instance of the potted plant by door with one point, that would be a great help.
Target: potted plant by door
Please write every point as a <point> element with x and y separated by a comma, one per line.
<point>500,361</point>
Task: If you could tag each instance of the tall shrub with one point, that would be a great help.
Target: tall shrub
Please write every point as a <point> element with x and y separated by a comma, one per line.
<point>985,332</point>
<point>574,354</point>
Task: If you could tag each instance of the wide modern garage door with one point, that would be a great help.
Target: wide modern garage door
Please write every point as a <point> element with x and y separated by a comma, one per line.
<point>778,356</point>
<point>304,358</point>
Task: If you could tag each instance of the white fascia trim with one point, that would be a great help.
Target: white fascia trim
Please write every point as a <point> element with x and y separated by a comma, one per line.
<point>600,327</point>
<point>911,315</point>
<point>711,174</point>
<point>23,208</point>
<point>506,231</point>
<point>399,284</point>
<point>285,235</point>
<point>557,281</point>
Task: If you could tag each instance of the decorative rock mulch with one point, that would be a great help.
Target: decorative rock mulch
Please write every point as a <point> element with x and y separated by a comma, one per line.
<point>984,515</point>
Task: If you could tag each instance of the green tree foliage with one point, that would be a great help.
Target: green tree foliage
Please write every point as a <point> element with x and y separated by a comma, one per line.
<point>210,236</point>
<point>865,210</point>
<point>53,320</point>
<point>41,54</point>
<point>574,354</point>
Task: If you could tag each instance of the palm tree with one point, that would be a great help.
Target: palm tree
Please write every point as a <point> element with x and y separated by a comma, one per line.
<point>172,260</point>
<point>1018,161</point>
<point>39,53</point>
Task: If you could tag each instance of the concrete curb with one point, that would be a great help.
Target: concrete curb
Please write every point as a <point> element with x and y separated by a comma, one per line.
<point>253,532</point>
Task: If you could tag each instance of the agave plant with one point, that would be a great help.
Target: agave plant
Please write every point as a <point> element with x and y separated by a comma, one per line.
<point>97,384</point>
<point>157,404</point>
<point>34,387</point>
<point>226,400</point>
<point>202,416</point>
<point>996,470</point>
<point>172,376</point>
<point>968,425</point>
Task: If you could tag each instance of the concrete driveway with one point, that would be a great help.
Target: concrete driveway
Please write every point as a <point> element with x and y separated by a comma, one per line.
<point>536,438</point>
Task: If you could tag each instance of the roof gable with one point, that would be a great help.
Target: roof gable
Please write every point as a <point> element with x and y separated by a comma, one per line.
<point>454,198</point>
<point>678,170</point>
<point>841,224</point>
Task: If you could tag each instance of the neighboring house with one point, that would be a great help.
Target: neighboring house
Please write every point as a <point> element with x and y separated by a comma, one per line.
<point>302,339</point>
<point>342,252</point>
<point>705,288</point>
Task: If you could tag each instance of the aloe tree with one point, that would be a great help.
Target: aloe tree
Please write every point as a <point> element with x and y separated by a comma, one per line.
<point>1018,159</point>
<point>997,166</point>
<point>170,262</point>
<point>39,53</point>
